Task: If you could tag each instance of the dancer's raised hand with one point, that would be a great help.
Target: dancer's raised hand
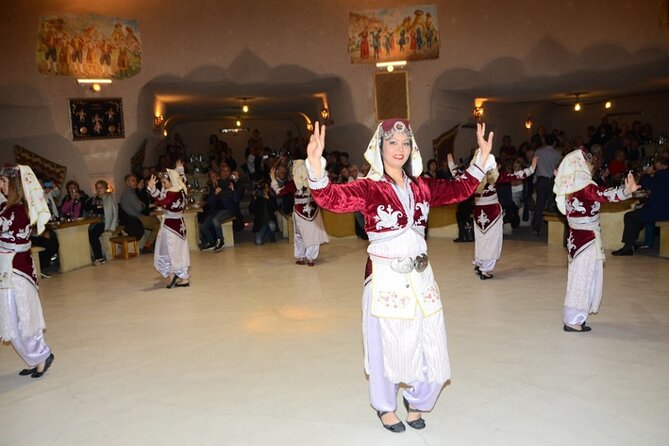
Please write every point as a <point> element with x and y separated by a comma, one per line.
<point>315,149</point>
<point>630,184</point>
<point>485,145</point>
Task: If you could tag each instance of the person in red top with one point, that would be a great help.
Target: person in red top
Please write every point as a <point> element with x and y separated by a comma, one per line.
<point>171,257</point>
<point>579,198</point>
<point>22,207</point>
<point>404,335</point>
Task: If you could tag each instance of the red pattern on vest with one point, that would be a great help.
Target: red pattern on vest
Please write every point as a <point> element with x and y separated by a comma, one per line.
<point>586,203</point>
<point>15,229</point>
<point>174,202</point>
<point>308,210</point>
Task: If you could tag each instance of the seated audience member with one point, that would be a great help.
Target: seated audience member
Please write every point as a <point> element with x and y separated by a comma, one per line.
<point>73,203</point>
<point>353,173</point>
<point>133,211</point>
<point>51,193</point>
<point>507,150</point>
<point>656,208</point>
<point>48,258</point>
<point>618,166</point>
<point>431,170</point>
<point>101,205</point>
<point>262,207</point>
<point>144,196</point>
<point>219,205</point>
<point>444,173</point>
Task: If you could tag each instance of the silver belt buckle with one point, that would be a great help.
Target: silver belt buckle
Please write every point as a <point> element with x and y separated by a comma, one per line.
<point>403,266</point>
<point>420,263</point>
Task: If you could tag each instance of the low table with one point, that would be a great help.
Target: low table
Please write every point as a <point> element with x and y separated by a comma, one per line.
<point>74,249</point>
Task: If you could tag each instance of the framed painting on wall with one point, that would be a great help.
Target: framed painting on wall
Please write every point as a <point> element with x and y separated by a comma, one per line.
<point>97,118</point>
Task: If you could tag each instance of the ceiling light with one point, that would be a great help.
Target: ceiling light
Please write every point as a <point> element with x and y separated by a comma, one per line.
<point>528,122</point>
<point>390,66</point>
<point>238,123</point>
<point>577,105</point>
<point>245,108</point>
<point>608,104</point>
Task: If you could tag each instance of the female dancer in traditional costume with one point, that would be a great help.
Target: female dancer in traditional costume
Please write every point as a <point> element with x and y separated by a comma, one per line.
<point>309,232</point>
<point>403,324</point>
<point>579,198</point>
<point>22,206</point>
<point>171,256</point>
<point>488,221</point>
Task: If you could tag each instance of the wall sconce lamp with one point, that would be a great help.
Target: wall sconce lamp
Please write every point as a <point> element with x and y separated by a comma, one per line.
<point>390,66</point>
<point>325,114</point>
<point>528,122</point>
<point>577,105</point>
<point>158,121</point>
<point>94,84</point>
<point>238,122</point>
<point>608,104</point>
<point>478,111</point>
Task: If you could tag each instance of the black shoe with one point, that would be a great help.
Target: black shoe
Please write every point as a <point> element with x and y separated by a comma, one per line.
<point>396,428</point>
<point>173,282</point>
<point>206,247</point>
<point>477,270</point>
<point>624,251</point>
<point>47,364</point>
<point>584,328</point>
<point>219,245</point>
<point>180,284</point>
<point>485,276</point>
<point>26,372</point>
<point>416,424</point>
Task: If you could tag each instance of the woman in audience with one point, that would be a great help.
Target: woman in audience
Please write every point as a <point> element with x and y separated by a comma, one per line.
<point>171,255</point>
<point>21,320</point>
<point>403,323</point>
<point>431,171</point>
<point>101,205</point>
<point>72,205</point>
<point>579,198</point>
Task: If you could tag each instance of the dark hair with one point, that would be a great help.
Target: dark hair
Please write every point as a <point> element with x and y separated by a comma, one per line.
<point>550,139</point>
<point>67,186</point>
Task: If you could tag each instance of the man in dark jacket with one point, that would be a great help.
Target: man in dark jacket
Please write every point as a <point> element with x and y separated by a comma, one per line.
<point>656,182</point>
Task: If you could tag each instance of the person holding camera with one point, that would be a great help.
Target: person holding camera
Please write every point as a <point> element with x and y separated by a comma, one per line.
<point>71,206</point>
<point>263,207</point>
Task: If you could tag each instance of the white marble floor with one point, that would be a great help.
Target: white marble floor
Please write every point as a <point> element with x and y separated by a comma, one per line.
<point>259,351</point>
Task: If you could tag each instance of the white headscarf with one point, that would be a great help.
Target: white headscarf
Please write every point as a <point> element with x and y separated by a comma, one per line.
<point>572,176</point>
<point>33,194</point>
<point>300,174</point>
<point>177,182</point>
<point>385,130</point>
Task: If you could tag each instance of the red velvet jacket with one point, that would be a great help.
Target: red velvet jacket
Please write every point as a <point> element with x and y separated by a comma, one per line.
<point>584,205</point>
<point>15,232</point>
<point>173,202</point>
<point>382,208</point>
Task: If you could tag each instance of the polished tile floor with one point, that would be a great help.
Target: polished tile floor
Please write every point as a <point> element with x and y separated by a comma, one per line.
<point>259,351</point>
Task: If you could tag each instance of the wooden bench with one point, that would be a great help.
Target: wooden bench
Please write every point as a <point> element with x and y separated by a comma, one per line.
<point>123,243</point>
<point>664,237</point>
<point>556,228</point>
<point>228,232</point>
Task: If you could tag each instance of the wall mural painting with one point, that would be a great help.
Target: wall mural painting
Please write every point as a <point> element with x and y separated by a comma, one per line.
<point>382,35</point>
<point>88,46</point>
<point>96,118</point>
